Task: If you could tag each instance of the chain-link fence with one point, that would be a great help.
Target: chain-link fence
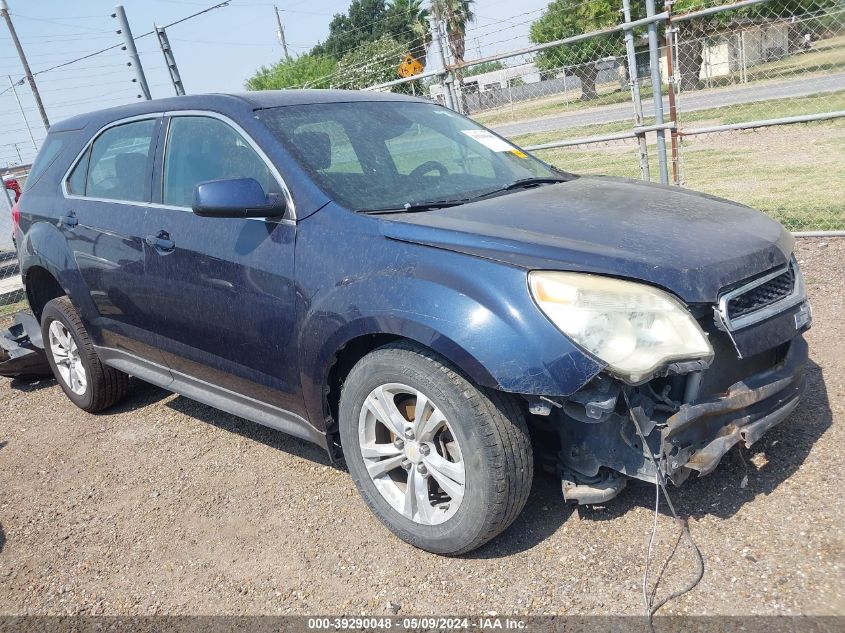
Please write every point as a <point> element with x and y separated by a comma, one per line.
<point>738,78</point>
<point>751,108</point>
<point>11,290</point>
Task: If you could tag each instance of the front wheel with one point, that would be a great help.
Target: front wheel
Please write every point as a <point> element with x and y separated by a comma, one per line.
<point>86,381</point>
<point>444,464</point>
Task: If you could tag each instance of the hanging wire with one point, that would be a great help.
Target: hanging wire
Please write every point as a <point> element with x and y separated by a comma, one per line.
<point>651,607</point>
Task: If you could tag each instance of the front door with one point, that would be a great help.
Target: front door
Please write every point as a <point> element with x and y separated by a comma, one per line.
<point>226,290</point>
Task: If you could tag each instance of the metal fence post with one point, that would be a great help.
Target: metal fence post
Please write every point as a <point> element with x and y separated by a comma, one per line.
<point>634,82</point>
<point>657,93</point>
<point>440,56</point>
<point>510,98</point>
<point>129,46</point>
<point>169,59</point>
<point>673,84</point>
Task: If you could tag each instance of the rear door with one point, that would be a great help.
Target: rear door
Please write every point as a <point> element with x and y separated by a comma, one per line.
<point>106,196</point>
<point>226,296</point>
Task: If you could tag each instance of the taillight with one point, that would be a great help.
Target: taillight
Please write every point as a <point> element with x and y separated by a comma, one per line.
<point>16,217</point>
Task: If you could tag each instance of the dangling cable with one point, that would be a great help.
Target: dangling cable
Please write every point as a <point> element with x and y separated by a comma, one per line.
<point>660,485</point>
<point>646,600</point>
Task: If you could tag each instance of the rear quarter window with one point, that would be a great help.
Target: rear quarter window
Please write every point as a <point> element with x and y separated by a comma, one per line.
<point>53,144</point>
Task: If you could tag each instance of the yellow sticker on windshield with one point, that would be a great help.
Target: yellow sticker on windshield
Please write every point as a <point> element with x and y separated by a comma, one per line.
<point>516,152</point>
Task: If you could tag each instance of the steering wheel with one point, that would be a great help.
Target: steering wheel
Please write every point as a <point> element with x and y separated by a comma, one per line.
<point>429,165</point>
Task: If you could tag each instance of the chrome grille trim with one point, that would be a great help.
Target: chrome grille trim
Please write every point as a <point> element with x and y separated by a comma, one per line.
<point>795,297</point>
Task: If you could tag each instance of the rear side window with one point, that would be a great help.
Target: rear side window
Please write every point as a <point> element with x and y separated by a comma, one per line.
<point>202,148</point>
<point>48,152</point>
<point>118,163</point>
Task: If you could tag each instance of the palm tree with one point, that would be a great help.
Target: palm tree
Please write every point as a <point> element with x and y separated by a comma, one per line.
<point>456,14</point>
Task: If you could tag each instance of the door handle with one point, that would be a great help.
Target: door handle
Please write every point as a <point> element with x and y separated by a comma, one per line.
<point>161,242</point>
<point>69,220</point>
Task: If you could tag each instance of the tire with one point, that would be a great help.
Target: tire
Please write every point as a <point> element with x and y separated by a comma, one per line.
<point>103,386</point>
<point>482,434</point>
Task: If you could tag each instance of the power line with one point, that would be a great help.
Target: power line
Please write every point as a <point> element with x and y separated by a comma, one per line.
<point>49,21</point>
<point>138,37</point>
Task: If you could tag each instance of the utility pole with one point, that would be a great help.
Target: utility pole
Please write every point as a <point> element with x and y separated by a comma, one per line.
<point>23,114</point>
<point>4,9</point>
<point>129,45</point>
<point>281,33</point>
<point>170,60</point>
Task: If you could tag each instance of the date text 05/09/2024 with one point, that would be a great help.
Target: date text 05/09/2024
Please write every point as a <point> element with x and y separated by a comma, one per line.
<point>422,623</point>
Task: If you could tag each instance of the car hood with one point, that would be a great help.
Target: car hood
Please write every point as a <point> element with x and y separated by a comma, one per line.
<point>689,243</point>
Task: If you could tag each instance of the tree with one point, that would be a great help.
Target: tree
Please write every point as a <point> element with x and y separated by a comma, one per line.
<point>456,15</point>
<point>312,71</point>
<point>370,63</point>
<point>364,22</point>
<point>565,18</point>
<point>407,21</point>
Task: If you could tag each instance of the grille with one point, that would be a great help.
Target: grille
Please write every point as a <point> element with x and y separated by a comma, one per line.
<point>763,295</point>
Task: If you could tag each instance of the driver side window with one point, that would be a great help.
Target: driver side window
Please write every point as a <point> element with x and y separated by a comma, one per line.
<point>202,148</point>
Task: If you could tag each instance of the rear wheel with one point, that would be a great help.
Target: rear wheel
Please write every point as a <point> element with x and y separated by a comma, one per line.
<point>88,383</point>
<point>442,463</point>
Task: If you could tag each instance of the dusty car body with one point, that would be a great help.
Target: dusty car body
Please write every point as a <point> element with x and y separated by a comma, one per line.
<point>266,305</point>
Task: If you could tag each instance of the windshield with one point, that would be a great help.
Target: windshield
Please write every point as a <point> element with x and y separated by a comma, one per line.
<point>391,155</point>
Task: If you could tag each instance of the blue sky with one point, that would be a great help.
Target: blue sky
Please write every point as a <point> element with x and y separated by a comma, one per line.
<point>216,52</point>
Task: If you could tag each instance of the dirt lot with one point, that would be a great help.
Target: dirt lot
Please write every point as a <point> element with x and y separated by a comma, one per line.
<point>167,506</point>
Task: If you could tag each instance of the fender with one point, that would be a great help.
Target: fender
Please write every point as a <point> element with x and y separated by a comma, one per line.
<point>477,313</point>
<point>56,258</point>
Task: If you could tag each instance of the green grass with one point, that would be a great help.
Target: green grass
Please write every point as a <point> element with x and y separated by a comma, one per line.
<point>795,173</point>
<point>9,309</point>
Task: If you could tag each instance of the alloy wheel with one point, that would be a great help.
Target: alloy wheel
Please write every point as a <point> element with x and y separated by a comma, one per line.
<point>66,357</point>
<point>411,454</point>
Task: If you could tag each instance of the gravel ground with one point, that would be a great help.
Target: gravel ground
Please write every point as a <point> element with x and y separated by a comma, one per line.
<point>166,506</point>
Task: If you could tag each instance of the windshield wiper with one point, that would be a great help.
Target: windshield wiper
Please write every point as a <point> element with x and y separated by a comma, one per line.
<point>530,182</point>
<point>524,183</point>
<point>413,207</point>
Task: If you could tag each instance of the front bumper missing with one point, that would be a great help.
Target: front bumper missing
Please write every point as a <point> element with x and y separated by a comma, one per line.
<point>700,433</point>
<point>599,452</point>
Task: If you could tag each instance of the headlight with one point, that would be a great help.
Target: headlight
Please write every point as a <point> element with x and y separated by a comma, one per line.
<point>632,327</point>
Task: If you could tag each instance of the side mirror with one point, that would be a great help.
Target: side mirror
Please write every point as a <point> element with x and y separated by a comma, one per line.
<point>236,198</point>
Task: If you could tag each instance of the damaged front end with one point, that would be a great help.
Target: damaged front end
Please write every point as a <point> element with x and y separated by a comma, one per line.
<point>690,414</point>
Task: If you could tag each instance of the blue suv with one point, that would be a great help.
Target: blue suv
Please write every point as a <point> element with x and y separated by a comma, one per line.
<point>428,302</point>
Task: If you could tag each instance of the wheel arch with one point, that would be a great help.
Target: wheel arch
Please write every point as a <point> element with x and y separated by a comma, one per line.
<point>48,267</point>
<point>347,349</point>
<point>41,287</point>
